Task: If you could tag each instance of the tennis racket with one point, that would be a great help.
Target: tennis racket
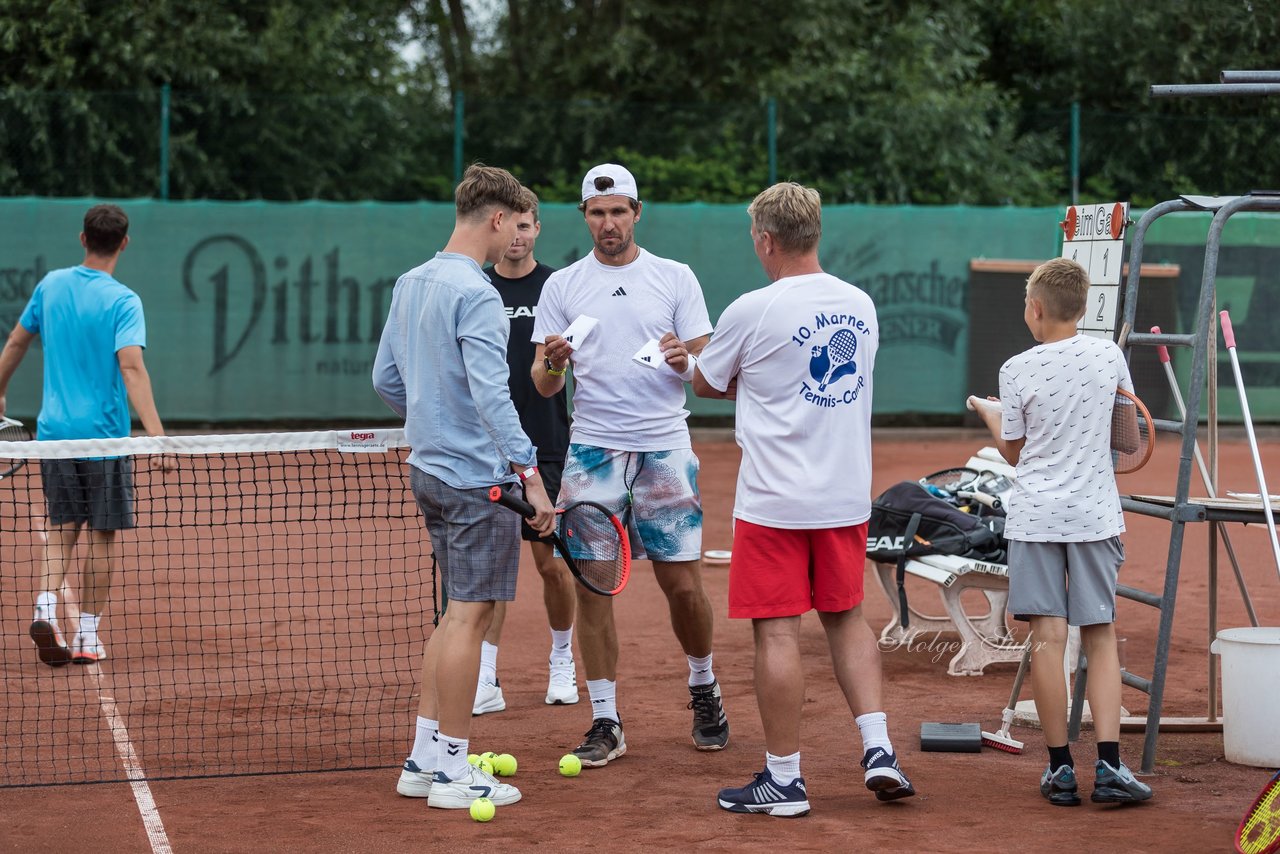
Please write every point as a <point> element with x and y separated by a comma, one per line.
<point>840,351</point>
<point>951,481</point>
<point>12,430</point>
<point>1259,832</point>
<point>592,541</point>
<point>1133,433</point>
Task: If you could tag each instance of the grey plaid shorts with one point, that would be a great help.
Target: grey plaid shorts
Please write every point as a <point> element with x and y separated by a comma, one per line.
<point>476,541</point>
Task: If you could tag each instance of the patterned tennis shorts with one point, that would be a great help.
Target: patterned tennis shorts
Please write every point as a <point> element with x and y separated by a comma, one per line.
<point>476,541</point>
<point>664,513</point>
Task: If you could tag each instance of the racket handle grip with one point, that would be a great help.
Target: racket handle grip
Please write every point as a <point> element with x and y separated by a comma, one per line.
<point>510,501</point>
<point>1162,351</point>
<point>1228,334</point>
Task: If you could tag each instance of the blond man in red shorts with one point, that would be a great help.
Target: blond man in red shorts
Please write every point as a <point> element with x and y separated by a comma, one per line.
<point>797,356</point>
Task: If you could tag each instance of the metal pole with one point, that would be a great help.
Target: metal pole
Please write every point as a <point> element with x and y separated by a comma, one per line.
<point>459,113</point>
<point>773,140</point>
<point>1075,152</point>
<point>164,141</point>
<point>1210,90</point>
<point>1251,77</point>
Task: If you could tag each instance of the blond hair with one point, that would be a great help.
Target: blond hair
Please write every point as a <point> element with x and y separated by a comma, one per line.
<point>791,213</point>
<point>482,187</point>
<point>1062,286</point>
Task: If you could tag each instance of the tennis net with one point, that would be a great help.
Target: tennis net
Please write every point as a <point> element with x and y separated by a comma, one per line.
<point>266,613</point>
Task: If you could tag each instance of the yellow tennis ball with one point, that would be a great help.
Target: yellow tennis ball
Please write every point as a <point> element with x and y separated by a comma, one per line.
<point>486,766</point>
<point>570,765</point>
<point>505,765</point>
<point>472,759</point>
<point>482,809</point>
<point>490,755</point>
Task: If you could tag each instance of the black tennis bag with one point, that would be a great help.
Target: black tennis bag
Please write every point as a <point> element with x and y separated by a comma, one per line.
<point>908,522</point>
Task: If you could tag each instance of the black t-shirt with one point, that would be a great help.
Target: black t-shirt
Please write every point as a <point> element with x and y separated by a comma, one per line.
<point>544,419</point>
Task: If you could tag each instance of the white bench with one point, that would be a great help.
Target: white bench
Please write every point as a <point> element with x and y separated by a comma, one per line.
<point>984,638</point>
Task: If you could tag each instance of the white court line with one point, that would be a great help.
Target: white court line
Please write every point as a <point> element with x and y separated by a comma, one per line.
<point>133,768</point>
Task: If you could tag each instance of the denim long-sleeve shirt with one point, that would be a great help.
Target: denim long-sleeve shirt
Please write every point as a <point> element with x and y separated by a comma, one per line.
<point>442,366</point>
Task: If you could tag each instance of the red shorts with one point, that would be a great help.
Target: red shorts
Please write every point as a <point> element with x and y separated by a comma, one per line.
<point>783,572</point>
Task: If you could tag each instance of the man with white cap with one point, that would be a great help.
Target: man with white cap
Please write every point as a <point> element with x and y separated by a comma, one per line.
<point>629,446</point>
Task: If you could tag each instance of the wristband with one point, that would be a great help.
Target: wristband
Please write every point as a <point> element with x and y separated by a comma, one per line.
<point>687,376</point>
<point>527,473</point>
<point>552,370</point>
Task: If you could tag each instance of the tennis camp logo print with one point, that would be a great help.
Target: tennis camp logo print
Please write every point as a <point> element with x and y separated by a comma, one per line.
<point>833,342</point>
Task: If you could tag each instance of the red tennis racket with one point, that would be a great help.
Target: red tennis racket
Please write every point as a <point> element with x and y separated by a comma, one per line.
<point>592,541</point>
<point>1133,433</point>
<point>1259,832</point>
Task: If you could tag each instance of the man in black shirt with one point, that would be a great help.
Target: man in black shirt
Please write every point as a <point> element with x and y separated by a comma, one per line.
<point>519,279</point>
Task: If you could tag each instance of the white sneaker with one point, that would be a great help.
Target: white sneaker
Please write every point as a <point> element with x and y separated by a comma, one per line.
<point>414,782</point>
<point>87,652</point>
<point>458,794</point>
<point>488,699</point>
<point>562,686</point>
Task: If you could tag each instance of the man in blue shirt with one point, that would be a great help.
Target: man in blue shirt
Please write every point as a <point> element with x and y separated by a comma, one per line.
<point>94,334</point>
<point>442,366</point>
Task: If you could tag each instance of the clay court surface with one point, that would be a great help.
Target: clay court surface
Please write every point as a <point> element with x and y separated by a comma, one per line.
<point>661,795</point>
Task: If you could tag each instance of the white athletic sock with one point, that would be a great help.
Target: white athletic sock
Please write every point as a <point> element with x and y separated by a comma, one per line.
<point>488,663</point>
<point>875,731</point>
<point>425,743</point>
<point>562,645</point>
<point>453,757</point>
<point>784,769</point>
<point>47,606</point>
<point>88,628</point>
<point>604,698</point>
<point>700,671</point>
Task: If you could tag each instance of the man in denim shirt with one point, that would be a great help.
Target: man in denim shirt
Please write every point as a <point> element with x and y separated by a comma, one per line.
<point>442,366</point>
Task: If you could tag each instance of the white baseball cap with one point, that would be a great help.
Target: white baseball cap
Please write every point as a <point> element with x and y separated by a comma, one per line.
<point>609,179</point>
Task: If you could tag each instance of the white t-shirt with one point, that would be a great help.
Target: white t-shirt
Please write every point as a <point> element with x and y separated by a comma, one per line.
<point>803,412</point>
<point>1059,396</point>
<point>619,403</point>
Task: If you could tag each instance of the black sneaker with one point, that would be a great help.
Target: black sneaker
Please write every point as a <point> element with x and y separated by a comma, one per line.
<point>604,743</point>
<point>50,646</point>
<point>1059,787</point>
<point>1117,785</point>
<point>710,726</point>
<point>884,777</point>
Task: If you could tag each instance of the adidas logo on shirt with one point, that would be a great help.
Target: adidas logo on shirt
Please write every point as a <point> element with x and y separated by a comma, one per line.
<point>619,293</point>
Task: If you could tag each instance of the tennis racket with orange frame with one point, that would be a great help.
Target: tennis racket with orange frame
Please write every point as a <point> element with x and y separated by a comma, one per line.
<point>1133,433</point>
<point>591,540</point>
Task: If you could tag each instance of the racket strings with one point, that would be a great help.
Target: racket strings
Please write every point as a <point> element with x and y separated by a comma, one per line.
<point>1132,434</point>
<point>1260,831</point>
<point>594,539</point>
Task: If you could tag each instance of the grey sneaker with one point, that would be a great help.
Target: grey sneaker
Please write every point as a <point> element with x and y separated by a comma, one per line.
<point>1059,787</point>
<point>1117,785</point>
<point>604,743</point>
<point>710,726</point>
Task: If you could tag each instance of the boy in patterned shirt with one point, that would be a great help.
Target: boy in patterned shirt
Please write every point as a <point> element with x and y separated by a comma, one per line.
<point>1053,422</point>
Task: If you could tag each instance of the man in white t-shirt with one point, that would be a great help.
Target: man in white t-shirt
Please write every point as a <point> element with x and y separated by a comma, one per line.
<point>797,356</point>
<point>629,445</point>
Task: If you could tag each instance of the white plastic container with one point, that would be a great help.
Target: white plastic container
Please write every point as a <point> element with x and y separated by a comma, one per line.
<point>1250,694</point>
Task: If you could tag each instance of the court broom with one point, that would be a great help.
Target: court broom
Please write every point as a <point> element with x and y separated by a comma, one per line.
<point>1002,740</point>
<point>1230,336</point>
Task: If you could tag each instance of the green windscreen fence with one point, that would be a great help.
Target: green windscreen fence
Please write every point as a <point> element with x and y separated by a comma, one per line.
<point>272,311</point>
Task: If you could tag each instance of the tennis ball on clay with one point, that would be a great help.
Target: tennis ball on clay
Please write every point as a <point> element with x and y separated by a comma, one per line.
<point>505,764</point>
<point>482,809</point>
<point>570,765</point>
<point>472,759</point>
<point>486,766</point>
<point>490,755</point>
